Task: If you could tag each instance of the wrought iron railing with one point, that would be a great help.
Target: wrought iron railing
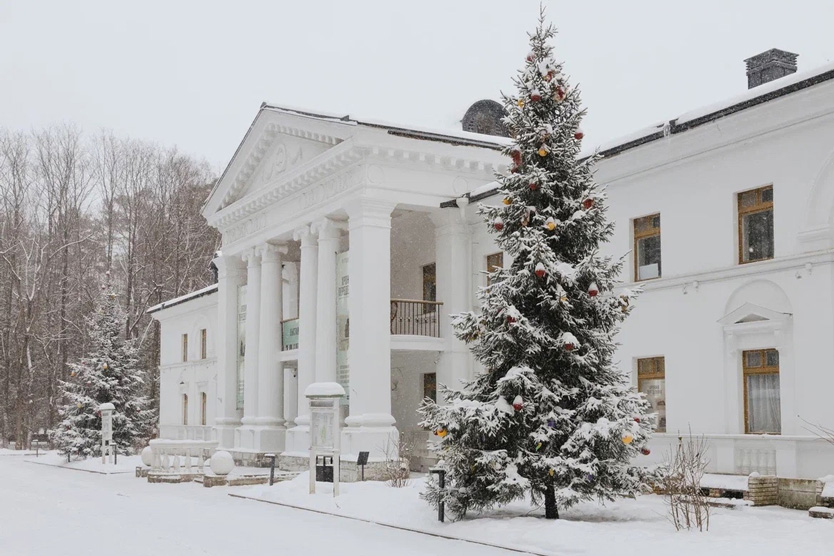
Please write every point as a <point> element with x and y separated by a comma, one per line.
<point>415,317</point>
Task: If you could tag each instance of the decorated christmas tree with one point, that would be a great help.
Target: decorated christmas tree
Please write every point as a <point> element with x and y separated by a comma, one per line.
<point>108,373</point>
<point>551,416</point>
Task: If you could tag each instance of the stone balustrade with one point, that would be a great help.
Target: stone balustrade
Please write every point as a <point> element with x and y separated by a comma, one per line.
<point>177,457</point>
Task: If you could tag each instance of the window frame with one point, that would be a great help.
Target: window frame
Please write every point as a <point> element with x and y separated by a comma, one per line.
<point>185,348</point>
<point>760,206</point>
<point>637,236</point>
<point>185,410</point>
<point>491,266</point>
<point>203,343</point>
<point>433,275</point>
<point>763,369</point>
<point>654,375</point>
<point>203,408</point>
<point>424,384</point>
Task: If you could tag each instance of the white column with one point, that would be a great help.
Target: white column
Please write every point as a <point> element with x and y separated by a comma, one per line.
<point>370,426</point>
<point>250,376</point>
<point>328,233</point>
<point>298,437</point>
<point>270,434</point>
<point>453,263</point>
<point>229,278</point>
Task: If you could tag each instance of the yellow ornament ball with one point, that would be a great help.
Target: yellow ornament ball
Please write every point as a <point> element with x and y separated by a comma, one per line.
<point>542,152</point>
<point>508,201</point>
<point>441,433</point>
<point>627,439</point>
<point>78,405</point>
<point>520,103</point>
<point>551,472</point>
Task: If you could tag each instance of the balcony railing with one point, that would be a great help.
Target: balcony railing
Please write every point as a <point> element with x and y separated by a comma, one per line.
<point>415,317</point>
<point>289,334</point>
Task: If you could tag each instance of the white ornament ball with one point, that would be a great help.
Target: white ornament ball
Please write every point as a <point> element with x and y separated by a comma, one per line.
<point>222,463</point>
<point>147,456</point>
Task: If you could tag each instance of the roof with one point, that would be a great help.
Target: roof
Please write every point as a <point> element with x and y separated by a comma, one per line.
<point>183,298</point>
<point>694,118</point>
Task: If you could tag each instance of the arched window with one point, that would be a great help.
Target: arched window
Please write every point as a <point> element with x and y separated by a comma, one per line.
<point>185,409</point>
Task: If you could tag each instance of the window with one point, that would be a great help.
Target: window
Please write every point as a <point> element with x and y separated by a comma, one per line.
<point>755,225</point>
<point>203,403</point>
<point>651,380</point>
<point>185,347</point>
<point>202,343</point>
<point>185,409</point>
<point>762,407</point>
<point>430,386</point>
<point>494,262</point>
<point>647,247</point>
<point>430,282</point>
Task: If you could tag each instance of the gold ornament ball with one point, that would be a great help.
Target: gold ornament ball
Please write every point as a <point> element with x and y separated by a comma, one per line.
<point>508,201</point>
<point>628,439</point>
<point>542,152</point>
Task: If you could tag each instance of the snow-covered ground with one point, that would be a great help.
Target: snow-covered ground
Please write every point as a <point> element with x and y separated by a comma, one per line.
<point>628,527</point>
<point>125,464</point>
<point>46,510</point>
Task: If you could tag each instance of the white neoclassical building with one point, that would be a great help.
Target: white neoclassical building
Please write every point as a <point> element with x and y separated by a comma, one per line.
<point>347,244</point>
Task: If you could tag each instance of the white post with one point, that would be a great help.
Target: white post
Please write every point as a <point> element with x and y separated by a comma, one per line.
<point>454,277</point>
<point>326,326</point>
<point>253,324</point>
<point>229,279</point>
<point>370,426</point>
<point>270,434</point>
<point>106,410</point>
<point>298,437</point>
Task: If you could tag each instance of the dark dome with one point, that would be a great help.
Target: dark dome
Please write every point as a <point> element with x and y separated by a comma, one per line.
<point>485,117</point>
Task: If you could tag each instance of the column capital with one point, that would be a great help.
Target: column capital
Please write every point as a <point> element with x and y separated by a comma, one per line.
<point>449,222</point>
<point>228,265</point>
<point>305,235</point>
<point>271,252</point>
<point>251,257</point>
<point>366,211</point>
<point>327,228</point>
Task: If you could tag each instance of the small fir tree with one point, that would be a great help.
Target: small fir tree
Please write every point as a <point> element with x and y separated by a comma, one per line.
<point>551,417</point>
<point>109,373</point>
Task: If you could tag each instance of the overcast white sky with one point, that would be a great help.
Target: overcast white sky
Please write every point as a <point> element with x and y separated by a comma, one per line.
<point>193,73</point>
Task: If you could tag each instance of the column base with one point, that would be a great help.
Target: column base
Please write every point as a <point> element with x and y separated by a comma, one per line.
<point>371,432</point>
<point>298,437</point>
<point>224,433</point>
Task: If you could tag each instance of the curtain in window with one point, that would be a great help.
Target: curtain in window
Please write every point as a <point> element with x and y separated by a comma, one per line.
<point>763,407</point>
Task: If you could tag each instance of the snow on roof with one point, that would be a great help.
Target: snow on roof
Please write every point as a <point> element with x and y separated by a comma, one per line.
<point>183,298</point>
<point>478,139</point>
<point>724,482</point>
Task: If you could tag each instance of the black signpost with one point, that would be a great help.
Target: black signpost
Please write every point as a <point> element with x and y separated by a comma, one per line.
<point>324,469</point>
<point>362,462</point>
<point>441,483</point>
<point>271,457</point>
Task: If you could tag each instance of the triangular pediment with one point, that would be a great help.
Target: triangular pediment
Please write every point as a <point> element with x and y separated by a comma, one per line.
<point>277,144</point>
<point>750,312</point>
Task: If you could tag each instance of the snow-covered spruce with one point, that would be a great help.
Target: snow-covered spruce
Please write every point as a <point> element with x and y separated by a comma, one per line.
<point>109,373</point>
<point>551,416</point>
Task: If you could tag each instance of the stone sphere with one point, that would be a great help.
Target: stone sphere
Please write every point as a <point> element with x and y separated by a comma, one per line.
<point>222,463</point>
<point>147,456</point>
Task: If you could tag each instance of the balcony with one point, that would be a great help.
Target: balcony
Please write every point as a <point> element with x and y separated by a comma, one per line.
<point>413,317</point>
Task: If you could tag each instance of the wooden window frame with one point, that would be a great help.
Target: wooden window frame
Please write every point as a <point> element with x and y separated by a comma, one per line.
<point>643,235</point>
<point>491,267</point>
<point>203,343</point>
<point>203,408</point>
<point>185,410</point>
<point>760,206</point>
<point>423,269</point>
<point>764,369</point>
<point>185,348</point>
<point>425,377</point>
<point>654,375</point>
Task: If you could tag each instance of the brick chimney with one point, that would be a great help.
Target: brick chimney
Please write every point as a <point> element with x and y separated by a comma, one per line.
<point>769,65</point>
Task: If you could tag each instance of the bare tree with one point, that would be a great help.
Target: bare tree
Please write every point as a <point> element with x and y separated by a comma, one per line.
<point>686,464</point>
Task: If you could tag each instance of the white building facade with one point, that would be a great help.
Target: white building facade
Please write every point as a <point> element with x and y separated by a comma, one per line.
<point>347,245</point>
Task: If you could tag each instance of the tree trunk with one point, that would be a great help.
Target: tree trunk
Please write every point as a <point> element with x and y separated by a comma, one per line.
<point>551,511</point>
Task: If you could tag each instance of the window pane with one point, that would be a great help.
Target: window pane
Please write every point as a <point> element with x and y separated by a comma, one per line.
<point>655,390</point>
<point>747,200</point>
<point>753,359</point>
<point>430,386</point>
<point>757,236</point>
<point>767,195</point>
<point>772,357</point>
<point>429,283</point>
<point>763,405</point>
<point>648,257</point>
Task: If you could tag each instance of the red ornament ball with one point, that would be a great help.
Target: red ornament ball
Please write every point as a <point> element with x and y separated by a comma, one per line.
<point>534,186</point>
<point>637,419</point>
<point>645,451</point>
<point>569,347</point>
<point>578,135</point>
<point>587,204</point>
<point>516,156</point>
<point>498,224</point>
<point>593,290</point>
<point>540,271</point>
<point>531,56</point>
<point>510,320</point>
<point>535,95</point>
<point>518,403</point>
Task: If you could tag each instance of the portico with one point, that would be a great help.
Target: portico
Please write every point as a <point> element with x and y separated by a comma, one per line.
<point>307,209</point>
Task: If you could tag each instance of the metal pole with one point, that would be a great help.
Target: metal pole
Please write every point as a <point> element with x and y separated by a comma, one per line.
<point>441,508</point>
